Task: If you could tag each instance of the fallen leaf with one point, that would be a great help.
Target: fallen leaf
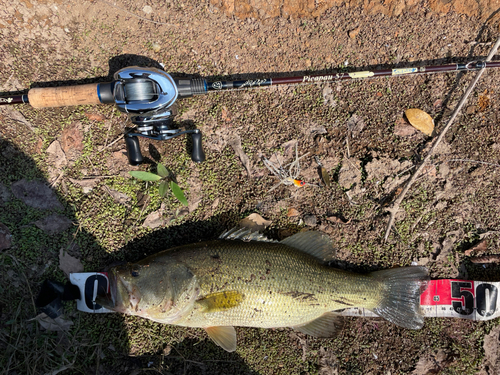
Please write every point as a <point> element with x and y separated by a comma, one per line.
<point>354,33</point>
<point>154,220</point>
<point>95,117</point>
<point>118,196</point>
<point>5,237</point>
<point>420,120</point>
<point>4,193</point>
<point>225,114</point>
<point>494,258</point>
<point>87,184</point>
<point>36,194</point>
<point>484,101</point>
<point>56,155</point>
<point>325,176</point>
<point>54,224</point>
<point>292,212</point>
<point>18,116</point>
<point>480,247</point>
<point>72,138</point>
<point>69,264</point>
<point>491,348</point>
<point>235,143</point>
<point>255,222</point>
<point>57,324</point>
<point>403,129</point>
<point>355,125</point>
<point>329,96</point>
<point>336,219</point>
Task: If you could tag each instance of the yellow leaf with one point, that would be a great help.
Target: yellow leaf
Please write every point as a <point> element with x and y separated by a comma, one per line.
<point>420,120</point>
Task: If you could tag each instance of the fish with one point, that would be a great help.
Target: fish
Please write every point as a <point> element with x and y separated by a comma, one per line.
<point>243,279</point>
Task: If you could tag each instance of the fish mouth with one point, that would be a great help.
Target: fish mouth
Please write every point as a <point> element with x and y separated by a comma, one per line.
<point>114,299</point>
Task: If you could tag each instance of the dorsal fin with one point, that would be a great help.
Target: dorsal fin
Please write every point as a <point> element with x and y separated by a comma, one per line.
<point>244,234</point>
<point>313,243</point>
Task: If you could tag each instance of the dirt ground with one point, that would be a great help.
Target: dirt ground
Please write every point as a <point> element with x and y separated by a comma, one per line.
<point>99,215</point>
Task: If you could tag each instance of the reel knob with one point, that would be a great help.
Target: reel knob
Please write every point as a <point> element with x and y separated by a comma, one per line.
<point>198,156</point>
<point>133,150</point>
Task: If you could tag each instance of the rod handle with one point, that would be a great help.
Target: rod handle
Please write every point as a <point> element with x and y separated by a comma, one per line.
<point>44,97</point>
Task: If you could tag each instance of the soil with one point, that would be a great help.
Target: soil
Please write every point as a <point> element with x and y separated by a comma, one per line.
<point>356,129</point>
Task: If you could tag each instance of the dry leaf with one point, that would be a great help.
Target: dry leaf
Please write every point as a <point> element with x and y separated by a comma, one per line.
<point>95,117</point>
<point>57,157</point>
<point>420,120</point>
<point>336,219</point>
<point>480,247</point>
<point>235,143</point>
<point>54,224</point>
<point>69,264</point>
<point>355,125</point>
<point>57,324</point>
<point>36,194</point>
<point>86,184</point>
<point>486,259</point>
<point>5,237</point>
<point>403,129</point>
<point>255,222</point>
<point>292,212</point>
<point>118,196</point>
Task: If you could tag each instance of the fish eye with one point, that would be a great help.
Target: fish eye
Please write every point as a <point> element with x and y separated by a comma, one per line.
<point>134,272</point>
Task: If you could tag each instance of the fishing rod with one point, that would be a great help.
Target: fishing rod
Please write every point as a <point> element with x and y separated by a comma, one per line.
<point>146,95</point>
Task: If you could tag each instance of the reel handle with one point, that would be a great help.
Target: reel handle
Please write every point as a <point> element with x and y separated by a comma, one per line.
<point>133,150</point>
<point>197,155</point>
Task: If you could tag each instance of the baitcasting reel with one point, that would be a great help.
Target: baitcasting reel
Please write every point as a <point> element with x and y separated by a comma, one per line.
<point>146,95</point>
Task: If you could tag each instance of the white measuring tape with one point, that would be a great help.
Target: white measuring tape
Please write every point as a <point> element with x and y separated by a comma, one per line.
<point>448,298</point>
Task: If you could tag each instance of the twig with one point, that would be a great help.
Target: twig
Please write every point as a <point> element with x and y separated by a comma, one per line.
<point>395,207</point>
<point>475,161</point>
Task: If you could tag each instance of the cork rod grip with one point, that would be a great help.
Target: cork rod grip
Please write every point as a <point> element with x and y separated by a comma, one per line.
<point>43,97</point>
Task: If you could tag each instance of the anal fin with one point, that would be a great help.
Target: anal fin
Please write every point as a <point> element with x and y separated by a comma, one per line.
<point>225,337</point>
<point>327,325</point>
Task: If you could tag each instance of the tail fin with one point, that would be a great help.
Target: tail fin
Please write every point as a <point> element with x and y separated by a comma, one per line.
<point>401,302</point>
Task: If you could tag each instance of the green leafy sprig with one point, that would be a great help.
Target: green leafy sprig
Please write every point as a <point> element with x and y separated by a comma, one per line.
<point>167,180</point>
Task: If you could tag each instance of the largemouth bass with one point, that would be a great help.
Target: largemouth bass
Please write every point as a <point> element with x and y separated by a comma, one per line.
<point>242,279</point>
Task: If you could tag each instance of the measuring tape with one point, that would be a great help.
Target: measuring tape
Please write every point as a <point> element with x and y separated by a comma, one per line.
<point>452,298</point>
<point>448,298</point>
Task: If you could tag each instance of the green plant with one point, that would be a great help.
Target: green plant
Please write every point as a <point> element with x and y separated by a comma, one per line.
<point>167,179</point>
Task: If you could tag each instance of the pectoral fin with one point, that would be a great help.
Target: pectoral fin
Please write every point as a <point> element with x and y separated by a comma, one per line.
<point>225,337</point>
<point>327,325</point>
<point>220,301</point>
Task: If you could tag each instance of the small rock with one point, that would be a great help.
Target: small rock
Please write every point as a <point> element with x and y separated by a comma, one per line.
<point>470,110</point>
<point>310,220</point>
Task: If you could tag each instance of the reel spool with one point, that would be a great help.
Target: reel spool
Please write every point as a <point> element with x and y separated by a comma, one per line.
<point>146,95</point>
